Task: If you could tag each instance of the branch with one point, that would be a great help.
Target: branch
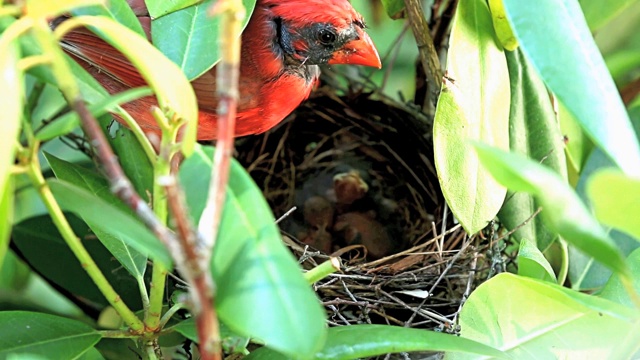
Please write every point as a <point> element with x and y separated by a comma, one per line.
<point>428,53</point>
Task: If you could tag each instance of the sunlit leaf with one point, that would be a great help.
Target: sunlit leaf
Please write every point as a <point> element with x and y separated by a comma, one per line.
<point>562,209</point>
<point>473,105</point>
<point>585,273</point>
<point>11,102</point>
<point>365,341</point>
<point>189,37</point>
<point>502,26</point>
<point>615,291</point>
<point>616,200</point>
<point>261,290</point>
<point>52,8</point>
<point>44,335</point>
<point>532,263</point>
<point>555,38</point>
<point>531,319</point>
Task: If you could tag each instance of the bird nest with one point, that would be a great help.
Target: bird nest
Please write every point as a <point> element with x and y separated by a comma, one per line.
<point>359,169</point>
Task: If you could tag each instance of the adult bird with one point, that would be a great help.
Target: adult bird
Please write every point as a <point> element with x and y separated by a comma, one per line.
<point>282,46</point>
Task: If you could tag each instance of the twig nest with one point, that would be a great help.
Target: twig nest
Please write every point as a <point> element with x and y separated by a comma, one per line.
<point>358,168</point>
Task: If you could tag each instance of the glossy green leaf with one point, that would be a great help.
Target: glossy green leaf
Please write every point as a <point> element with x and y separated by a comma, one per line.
<point>44,335</point>
<point>70,121</point>
<point>158,8</point>
<point>118,10</point>
<point>598,13</point>
<point>578,145</point>
<point>52,8</point>
<point>37,239</point>
<point>11,102</point>
<point>131,259</point>
<point>473,105</point>
<point>534,132</point>
<point>616,200</point>
<point>189,37</point>
<point>107,218</point>
<point>615,291</point>
<point>364,341</point>
<point>531,262</point>
<point>562,210</point>
<point>531,319</point>
<point>172,89</point>
<point>557,41</point>
<point>261,291</point>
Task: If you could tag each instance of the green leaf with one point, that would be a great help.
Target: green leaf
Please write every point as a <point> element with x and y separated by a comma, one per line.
<point>131,259</point>
<point>531,262</point>
<point>52,8</point>
<point>158,8</point>
<point>11,102</point>
<point>189,37</point>
<point>44,335</point>
<point>531,319</point>
<point>533,131</point>
<point>615,291</point>
<point>37,239</point>
<point>70,121</point>
<point>616,200</point>
<point>584,272</point>
<point>261,291</point>
<point>557,41</point>
<point>172,89</point>
<point>562,210</point>
<point>6,218</point>
<point>364,341</point>
<point>501,25</point>
<point>133,159</point>
<point>106,218</point>
<point>598,13</point>
<point>118,10</point>
<point>393,7</point>
<point>473,105</point>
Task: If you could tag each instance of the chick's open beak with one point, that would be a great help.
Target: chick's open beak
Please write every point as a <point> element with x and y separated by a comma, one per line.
<point>361,51</point>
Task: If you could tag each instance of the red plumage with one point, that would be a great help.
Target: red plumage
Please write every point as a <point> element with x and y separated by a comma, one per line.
<point>281,46</point>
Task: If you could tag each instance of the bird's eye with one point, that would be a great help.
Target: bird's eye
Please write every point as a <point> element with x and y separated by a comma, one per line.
<point>326,37</point>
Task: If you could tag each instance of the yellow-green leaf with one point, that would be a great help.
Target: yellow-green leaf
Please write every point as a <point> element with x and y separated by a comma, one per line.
<point>502,26</point>
<point>11,102</point>
<point>473,105</point>
<point>615,198</point>
<point>52,8</point>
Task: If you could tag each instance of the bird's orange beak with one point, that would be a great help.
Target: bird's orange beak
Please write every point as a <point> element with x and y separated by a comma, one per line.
<point>358,52</point>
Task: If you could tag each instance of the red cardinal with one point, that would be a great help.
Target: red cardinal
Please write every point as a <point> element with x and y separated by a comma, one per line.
<point>282,46</point>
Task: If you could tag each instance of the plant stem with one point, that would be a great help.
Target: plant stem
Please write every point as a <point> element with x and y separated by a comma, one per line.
<point>323,270</point>
<point>78,248</point>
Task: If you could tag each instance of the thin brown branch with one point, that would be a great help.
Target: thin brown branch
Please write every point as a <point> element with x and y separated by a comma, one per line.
<point>120,184</point>
<point>428,53</point>
<point>201,283</point>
